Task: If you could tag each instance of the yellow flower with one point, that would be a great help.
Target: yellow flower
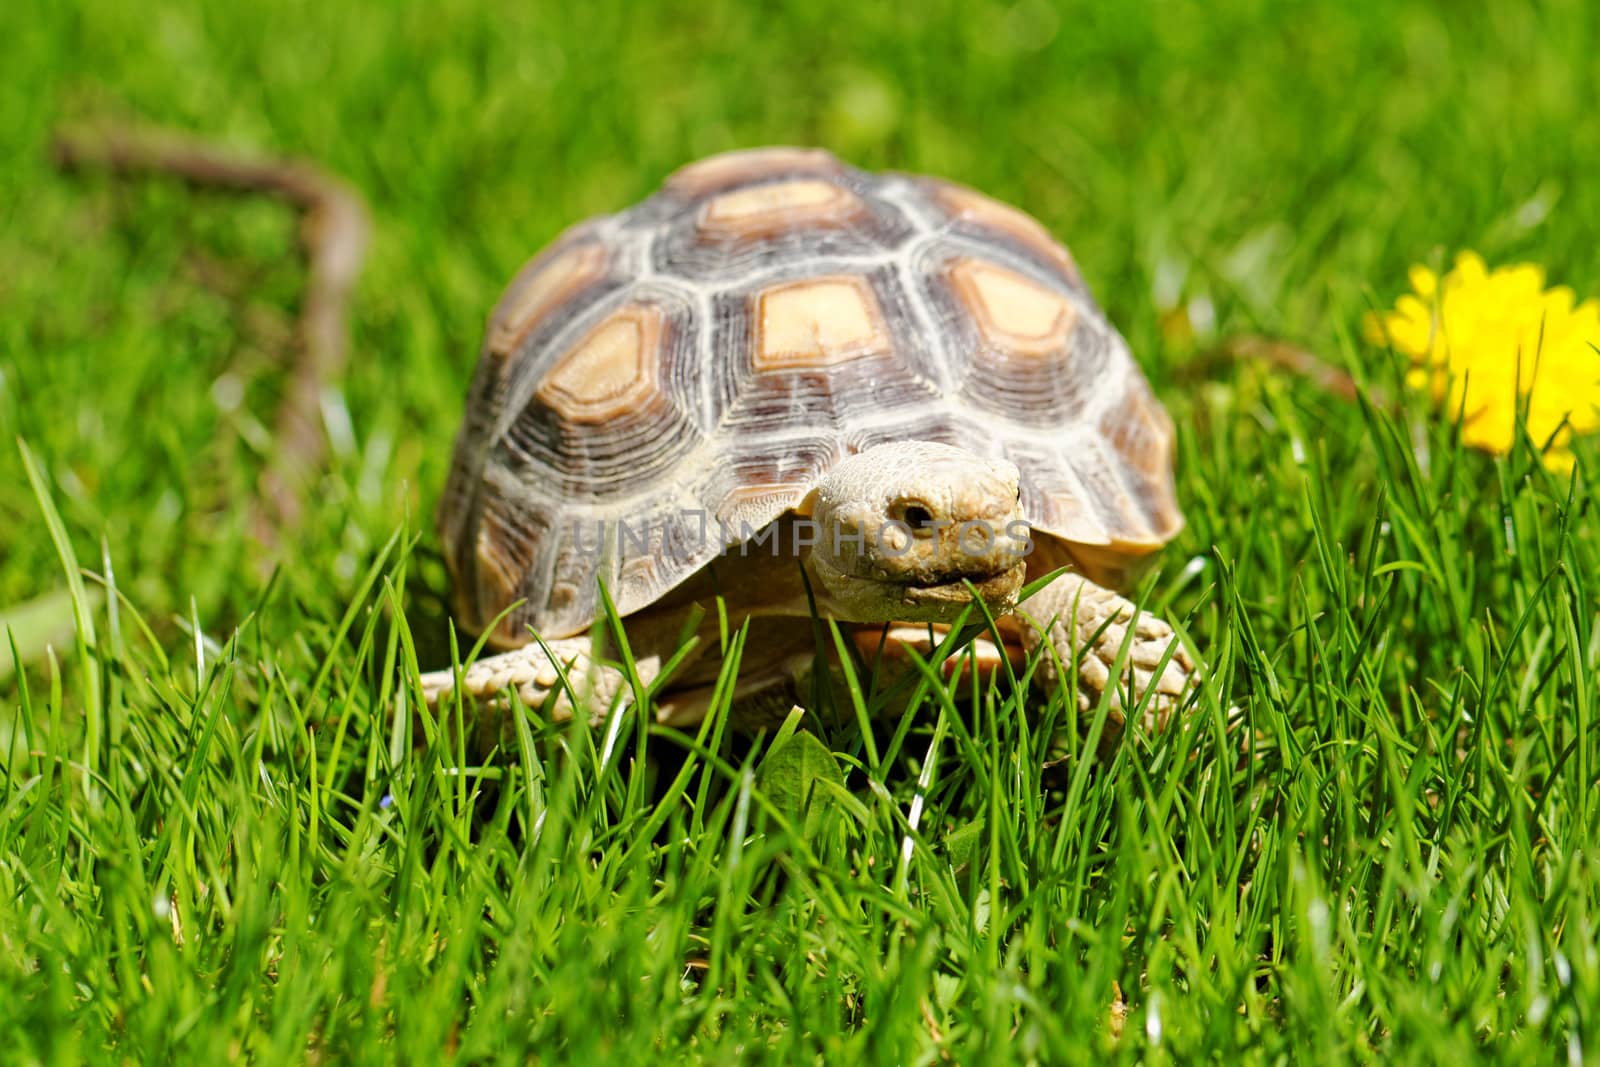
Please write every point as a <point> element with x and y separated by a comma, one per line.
<point>1480,340</point>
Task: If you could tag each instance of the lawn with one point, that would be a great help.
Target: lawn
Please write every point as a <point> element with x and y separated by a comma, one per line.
<point>218,840</point>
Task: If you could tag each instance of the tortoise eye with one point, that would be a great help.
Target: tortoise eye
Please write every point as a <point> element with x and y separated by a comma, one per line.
<point>913,513</point>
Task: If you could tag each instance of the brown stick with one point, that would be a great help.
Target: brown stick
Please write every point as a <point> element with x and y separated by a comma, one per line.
<point>334,232</point>
<point>1280,354</point>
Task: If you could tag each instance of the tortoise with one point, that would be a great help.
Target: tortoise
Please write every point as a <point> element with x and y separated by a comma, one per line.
<point>809,390</point>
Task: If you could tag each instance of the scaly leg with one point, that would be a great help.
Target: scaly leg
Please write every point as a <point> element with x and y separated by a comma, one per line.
<point>596,682</point>
<point>531,671</point>
<point>1074,612</point>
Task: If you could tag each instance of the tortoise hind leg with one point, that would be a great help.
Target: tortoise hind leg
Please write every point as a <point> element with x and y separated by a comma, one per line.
<point>1087,625</point>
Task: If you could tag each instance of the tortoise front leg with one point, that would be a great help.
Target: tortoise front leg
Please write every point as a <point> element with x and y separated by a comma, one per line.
<point>531,671</point>
<point>1072,613</point>
<point>654,640</point>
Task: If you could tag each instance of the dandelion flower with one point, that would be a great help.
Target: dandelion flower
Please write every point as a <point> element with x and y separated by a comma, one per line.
<point>1481,341</point>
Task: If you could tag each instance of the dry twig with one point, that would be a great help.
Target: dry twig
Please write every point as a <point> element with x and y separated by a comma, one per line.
<point>334,231</point>
<point>1282,355</point>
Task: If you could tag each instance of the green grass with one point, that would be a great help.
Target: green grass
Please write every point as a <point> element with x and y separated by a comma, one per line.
<point>218,840</point>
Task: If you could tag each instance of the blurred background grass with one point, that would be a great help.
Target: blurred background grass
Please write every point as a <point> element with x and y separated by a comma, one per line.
<point>1272,163</point>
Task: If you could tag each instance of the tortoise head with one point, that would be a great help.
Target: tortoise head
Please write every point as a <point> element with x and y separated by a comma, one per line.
<point>901,529</point>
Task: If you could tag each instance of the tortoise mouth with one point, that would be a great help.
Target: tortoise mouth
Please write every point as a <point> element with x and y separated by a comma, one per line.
<point>875,599</point>
<point>997,591</point>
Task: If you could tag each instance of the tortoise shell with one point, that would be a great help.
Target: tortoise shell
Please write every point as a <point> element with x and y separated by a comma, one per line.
<point>660,383</point>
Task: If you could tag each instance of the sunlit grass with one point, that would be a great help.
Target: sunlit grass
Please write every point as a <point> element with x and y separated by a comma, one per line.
<point>226,830</point>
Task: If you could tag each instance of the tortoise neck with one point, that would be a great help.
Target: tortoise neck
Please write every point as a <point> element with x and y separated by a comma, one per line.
<point>763,575</point>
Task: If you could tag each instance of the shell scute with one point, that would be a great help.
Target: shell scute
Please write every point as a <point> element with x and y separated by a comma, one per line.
<point>546,284</point>
<point>747,166</point>
<point>817,322</point>
<point>984,217</point>
<point>613,406</point>
<point>764,211</point>
<point>773,223</point>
